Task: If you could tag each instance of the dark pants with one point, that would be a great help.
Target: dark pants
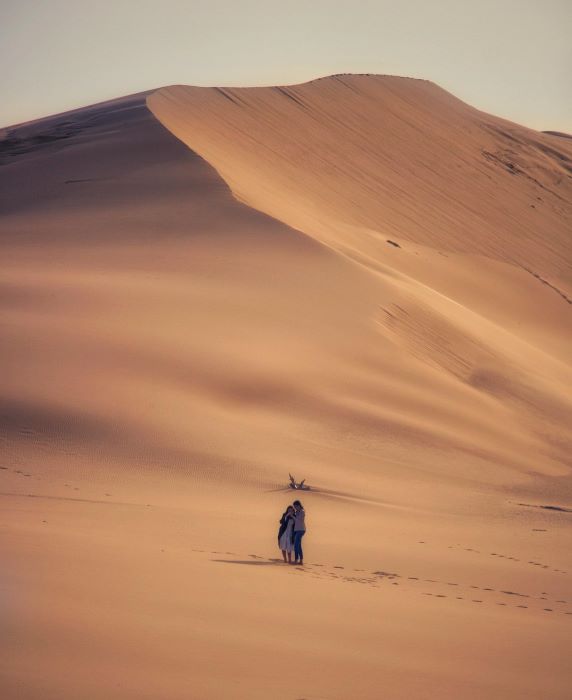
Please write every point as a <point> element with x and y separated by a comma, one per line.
<point>298,553</point>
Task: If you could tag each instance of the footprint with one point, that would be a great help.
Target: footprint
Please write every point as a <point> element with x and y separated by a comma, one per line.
<point>520,595</point>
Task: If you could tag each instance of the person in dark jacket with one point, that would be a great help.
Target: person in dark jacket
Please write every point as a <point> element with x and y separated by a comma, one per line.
<point>286,534</point>
<point>299,531</point>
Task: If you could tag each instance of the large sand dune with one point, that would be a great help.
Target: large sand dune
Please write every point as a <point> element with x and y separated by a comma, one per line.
<point>360,280</point>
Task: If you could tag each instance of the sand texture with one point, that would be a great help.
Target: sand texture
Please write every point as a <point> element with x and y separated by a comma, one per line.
<point>362,281</point>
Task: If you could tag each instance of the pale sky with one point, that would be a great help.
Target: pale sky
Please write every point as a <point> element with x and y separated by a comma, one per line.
<point>512,58</point>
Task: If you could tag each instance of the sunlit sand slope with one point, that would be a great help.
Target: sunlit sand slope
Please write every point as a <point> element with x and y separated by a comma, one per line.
<point>482,210</point>
<point>361,281</point>
<point>400,157</point>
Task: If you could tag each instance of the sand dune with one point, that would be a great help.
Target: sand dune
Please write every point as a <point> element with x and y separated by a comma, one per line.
<point>360,280</point>
<point>404,159</point>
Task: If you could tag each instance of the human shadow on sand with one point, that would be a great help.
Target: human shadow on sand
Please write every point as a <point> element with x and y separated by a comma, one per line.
<point>271,562</point>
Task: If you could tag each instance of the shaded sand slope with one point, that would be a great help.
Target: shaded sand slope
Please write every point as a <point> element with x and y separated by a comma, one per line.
<point>126,256</point>
<point>169,354</point>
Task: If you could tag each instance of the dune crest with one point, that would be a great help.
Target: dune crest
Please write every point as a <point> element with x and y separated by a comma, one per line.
<point>397,156</point>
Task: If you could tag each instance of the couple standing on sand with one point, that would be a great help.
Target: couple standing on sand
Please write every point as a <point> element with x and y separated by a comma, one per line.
<point>292,529</point>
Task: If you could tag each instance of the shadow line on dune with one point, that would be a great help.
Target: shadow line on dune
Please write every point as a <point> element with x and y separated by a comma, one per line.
<point>6,494</point>
<point>559,509</point>
<point>331,494</point>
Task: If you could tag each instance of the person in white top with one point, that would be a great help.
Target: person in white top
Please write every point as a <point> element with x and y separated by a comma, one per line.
<point>286,534</point>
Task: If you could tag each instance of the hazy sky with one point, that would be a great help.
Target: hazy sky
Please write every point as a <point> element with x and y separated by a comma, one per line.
<point>509,57</point>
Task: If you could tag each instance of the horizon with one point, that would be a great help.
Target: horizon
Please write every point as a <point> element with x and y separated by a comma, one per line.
<point>150,91</point>
<point>73,55</point>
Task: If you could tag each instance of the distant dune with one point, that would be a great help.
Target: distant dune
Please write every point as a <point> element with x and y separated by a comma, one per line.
<point>361,280</point>
<point>558,133</point>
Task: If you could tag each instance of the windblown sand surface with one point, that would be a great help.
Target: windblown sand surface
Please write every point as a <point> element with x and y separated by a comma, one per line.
<point>360,280</point>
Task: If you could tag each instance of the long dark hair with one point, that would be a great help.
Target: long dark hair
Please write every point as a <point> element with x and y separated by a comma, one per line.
<point>286,513</point>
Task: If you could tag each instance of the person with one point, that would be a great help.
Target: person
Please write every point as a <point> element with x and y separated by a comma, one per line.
<point>299,531</point>
<point>286,534</point>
